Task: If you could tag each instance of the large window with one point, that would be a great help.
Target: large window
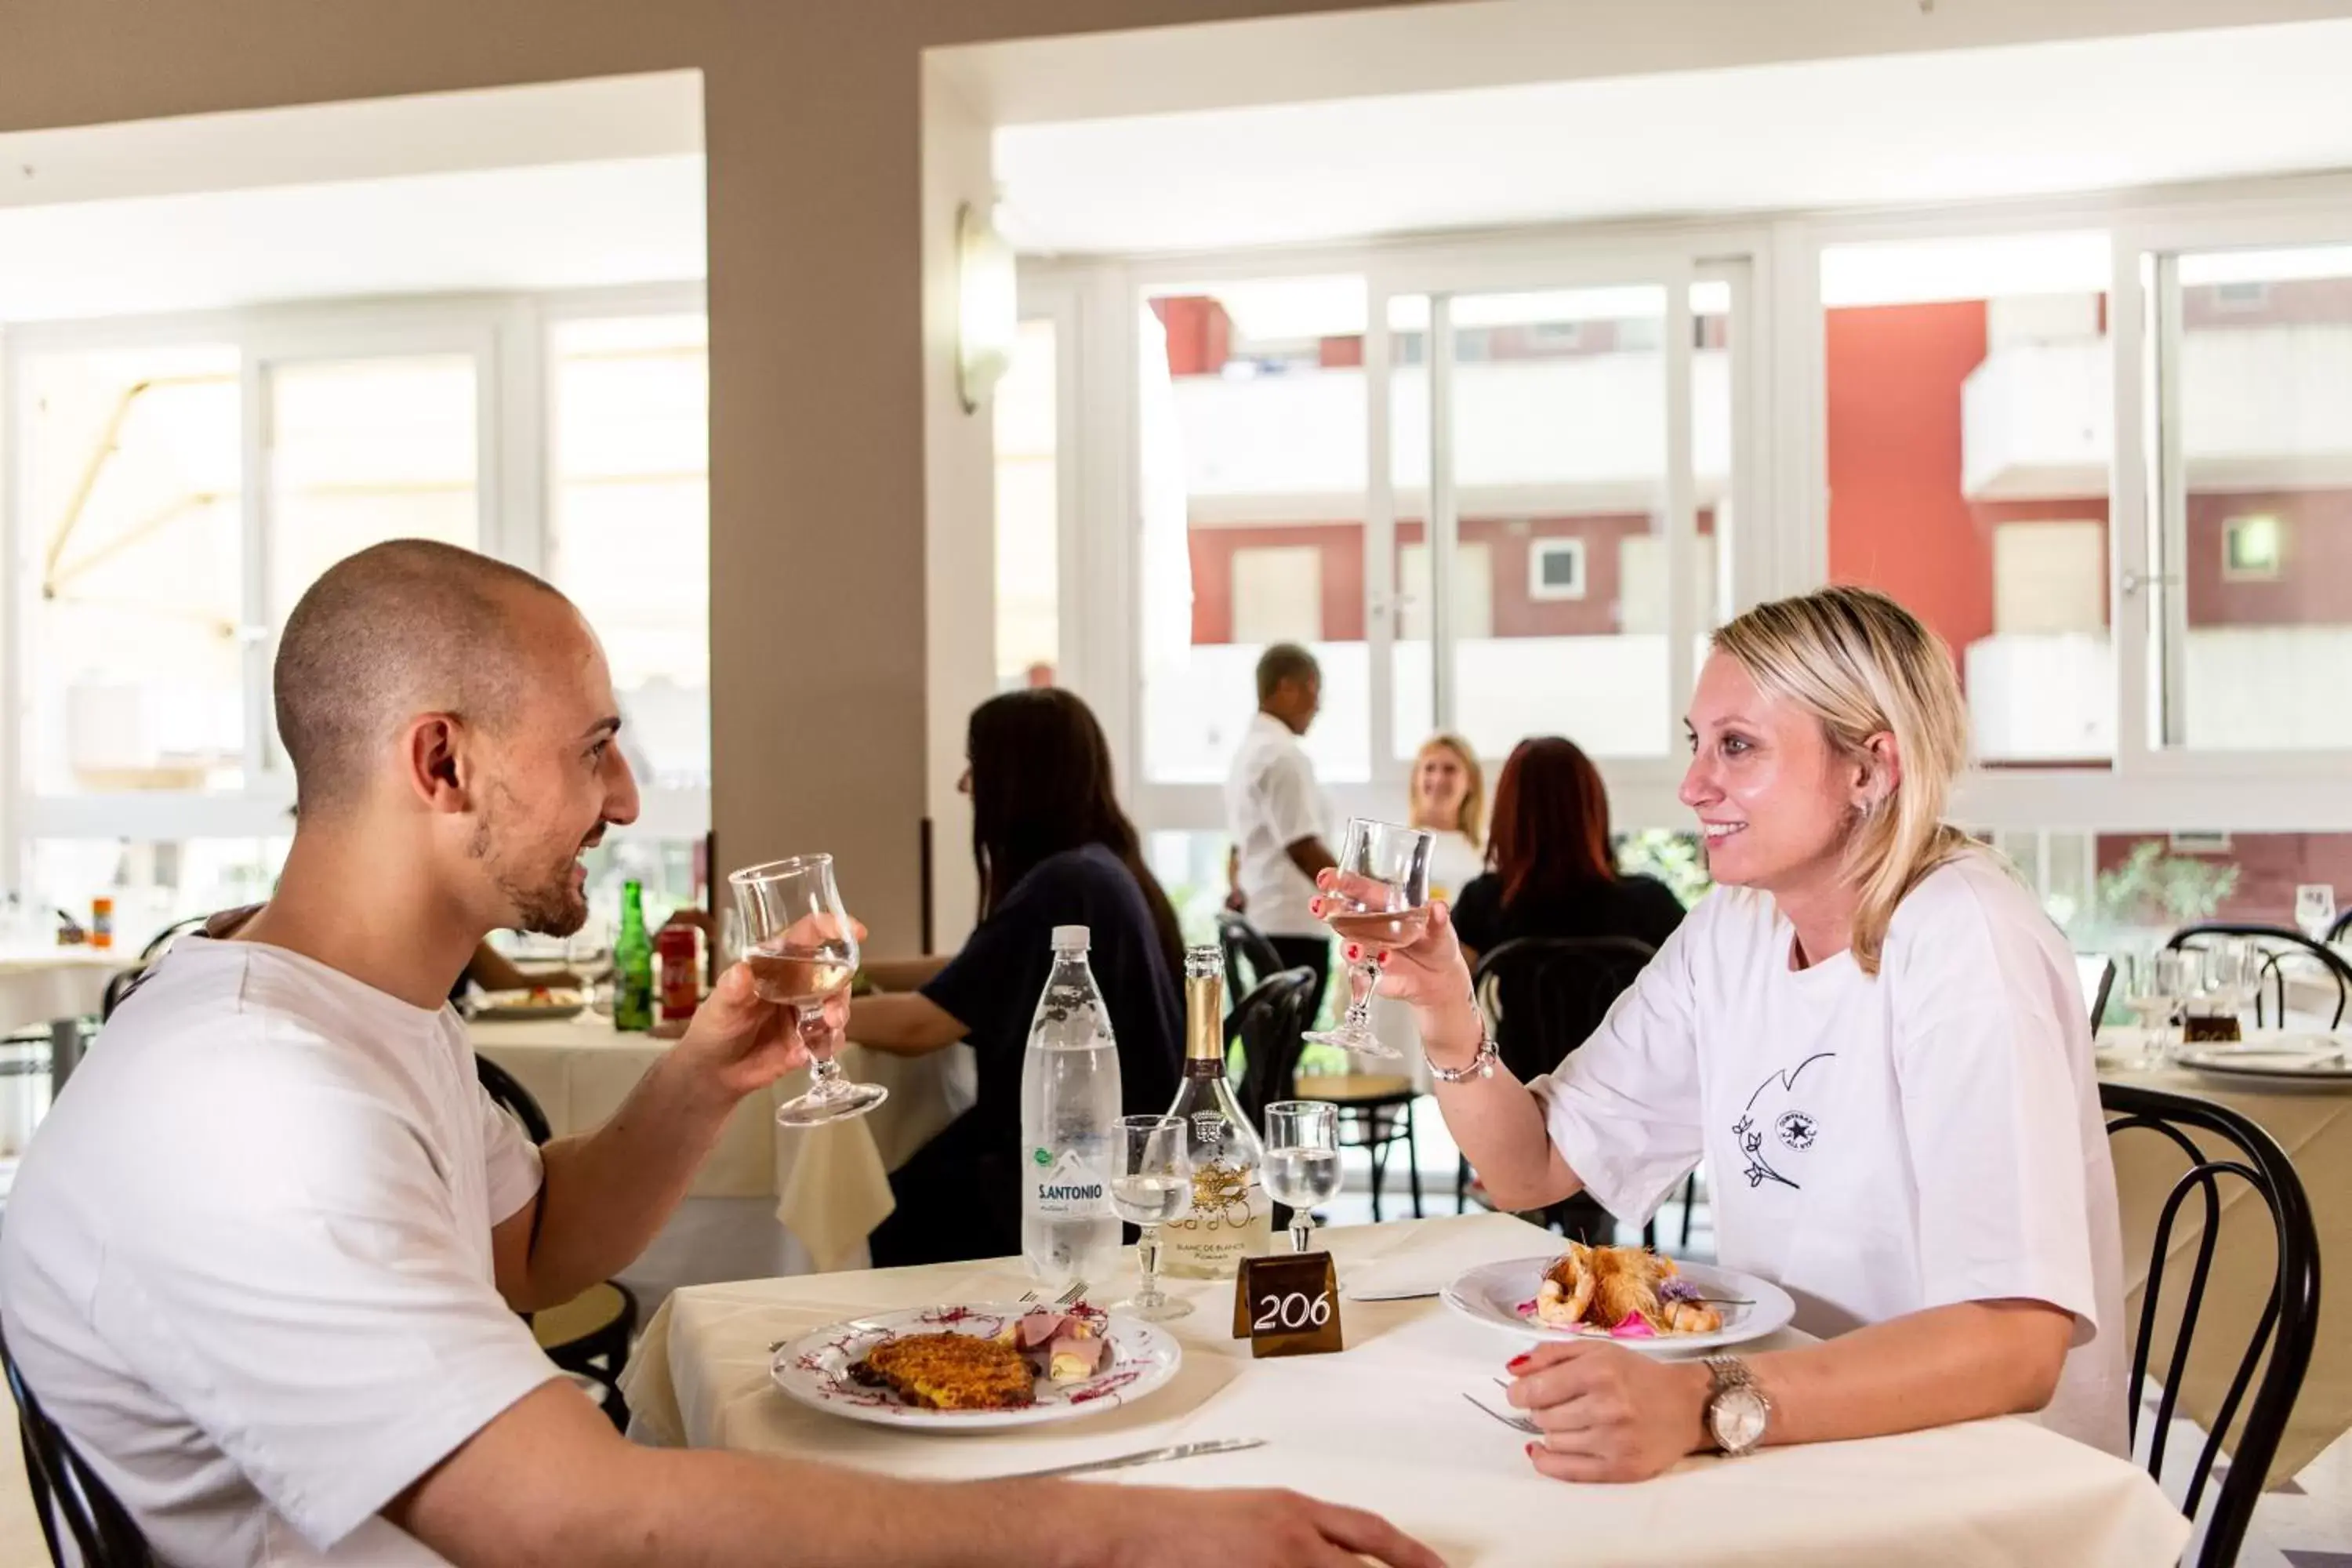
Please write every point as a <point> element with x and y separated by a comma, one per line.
<point>128,534</point>
<point>2252,523</point>
<point>630,523</point>
<point>175,486</point>
<point>1252,425</point>
<point>1969,404</point>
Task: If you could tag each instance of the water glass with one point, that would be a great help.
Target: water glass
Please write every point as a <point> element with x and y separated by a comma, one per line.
<point>2315,910</point>
<point>803,950</point>
<point>2156,984</point>
<point>1302,1160</point>
<point>1150,1184</point>
<point>1379,899</point>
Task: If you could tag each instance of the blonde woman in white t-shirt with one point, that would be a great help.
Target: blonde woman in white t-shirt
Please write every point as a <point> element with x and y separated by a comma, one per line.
<point>1449,798</point>
<point>1874,1037</point>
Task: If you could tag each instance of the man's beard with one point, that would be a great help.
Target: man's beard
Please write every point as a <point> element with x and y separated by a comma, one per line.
<point>545,905</point>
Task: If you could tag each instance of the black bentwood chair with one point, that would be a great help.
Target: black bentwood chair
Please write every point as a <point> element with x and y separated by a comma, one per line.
<point>2280,1344</point>
<point>588,1335</point>
<point>66,1490</point>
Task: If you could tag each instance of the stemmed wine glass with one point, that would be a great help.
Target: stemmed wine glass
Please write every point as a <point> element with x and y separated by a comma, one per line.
<point>2155,984</point>
<point>2315,909</point>
<point>1379,899</point>
<point>1302,1160</point>
<point>802,949</point>
<point>1151,1183</point>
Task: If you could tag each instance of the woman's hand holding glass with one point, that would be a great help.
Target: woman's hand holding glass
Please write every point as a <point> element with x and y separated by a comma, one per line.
<point>1428,973</point>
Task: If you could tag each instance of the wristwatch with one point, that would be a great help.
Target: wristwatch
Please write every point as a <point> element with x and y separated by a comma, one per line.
<point>1737,1409</point>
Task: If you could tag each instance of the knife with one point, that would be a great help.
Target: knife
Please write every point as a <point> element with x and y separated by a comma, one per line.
<point>1147,1457</point>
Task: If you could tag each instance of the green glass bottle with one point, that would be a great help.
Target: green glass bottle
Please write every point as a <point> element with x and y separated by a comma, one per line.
<point>633,964</point>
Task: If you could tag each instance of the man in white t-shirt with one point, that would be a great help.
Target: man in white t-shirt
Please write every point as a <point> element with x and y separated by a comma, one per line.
<point>1276,812</point>
<point>262,1265</point>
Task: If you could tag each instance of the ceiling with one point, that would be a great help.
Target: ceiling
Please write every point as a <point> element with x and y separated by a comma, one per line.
<point>572,185</point>
<point>2017,120</point>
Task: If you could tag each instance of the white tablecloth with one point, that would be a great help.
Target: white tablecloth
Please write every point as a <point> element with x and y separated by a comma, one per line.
<point>2314,1124</point>
<point>829,1185</point>
<point>39,985</point>
<point>1383,1425</point>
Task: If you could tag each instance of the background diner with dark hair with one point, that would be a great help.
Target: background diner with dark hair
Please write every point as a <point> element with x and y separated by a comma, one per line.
<point>1052,848</point>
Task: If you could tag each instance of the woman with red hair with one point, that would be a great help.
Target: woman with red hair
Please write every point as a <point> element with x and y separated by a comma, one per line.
<point>1551,871</point>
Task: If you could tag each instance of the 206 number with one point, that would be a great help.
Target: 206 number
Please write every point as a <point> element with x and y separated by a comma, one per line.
<point>1295,1310</point>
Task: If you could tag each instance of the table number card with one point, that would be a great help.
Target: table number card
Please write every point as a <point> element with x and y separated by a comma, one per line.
<point>1289,1304</point>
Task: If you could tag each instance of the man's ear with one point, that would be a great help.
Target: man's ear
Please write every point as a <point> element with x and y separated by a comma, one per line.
<point>438,771</point>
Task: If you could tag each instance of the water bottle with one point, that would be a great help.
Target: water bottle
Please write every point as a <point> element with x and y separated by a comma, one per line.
<point>1069,1111</point>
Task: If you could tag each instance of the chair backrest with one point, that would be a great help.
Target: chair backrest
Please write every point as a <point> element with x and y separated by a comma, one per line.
<point>2343,924</point>
<point>1546,995</point>
<point>2097,974</point>
<point>2285,1329</point>
<point>511,1097</point>
<point>120,986</point>
<point>65,1488</point>
<point>1249,958</point>
<point>1271,1022</point>
<point>2276,943</point>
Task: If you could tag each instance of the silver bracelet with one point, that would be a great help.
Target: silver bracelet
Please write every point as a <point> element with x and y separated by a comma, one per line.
<point>1481,1066</point>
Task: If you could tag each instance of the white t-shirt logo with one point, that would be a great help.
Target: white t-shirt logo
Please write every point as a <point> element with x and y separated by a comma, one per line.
<point>1776,1124</point>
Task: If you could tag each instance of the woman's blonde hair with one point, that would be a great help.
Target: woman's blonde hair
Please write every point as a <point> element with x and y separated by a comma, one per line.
<point>1472,820</point>
<point>1863,666</point>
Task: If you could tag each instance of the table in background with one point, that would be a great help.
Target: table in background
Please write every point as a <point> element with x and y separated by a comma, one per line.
<point>51,987</point>
<point>2313,1125</point>
<point>828,1187</point>
<point>1383,1425</point>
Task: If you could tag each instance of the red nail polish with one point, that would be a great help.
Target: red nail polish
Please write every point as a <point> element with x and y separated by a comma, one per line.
<point>1517,1364</point>
<point>1354,953</point>
<point>1533,1449</point>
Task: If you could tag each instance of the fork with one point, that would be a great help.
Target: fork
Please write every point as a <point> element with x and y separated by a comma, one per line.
<point>1515,1423</point>
<point>1067,1299</point>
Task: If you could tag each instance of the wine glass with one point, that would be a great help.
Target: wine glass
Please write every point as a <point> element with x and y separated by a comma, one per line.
<point>1378,900</point>
<point>2155,984</point>
<point>2315,909</point>
<point>2231,973</point>
<point>801,950</point>
<point>1302,1160</point>
<point>1151,1183</point>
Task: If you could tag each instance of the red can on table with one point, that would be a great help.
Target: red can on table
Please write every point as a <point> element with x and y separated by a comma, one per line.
<point>681,986</point>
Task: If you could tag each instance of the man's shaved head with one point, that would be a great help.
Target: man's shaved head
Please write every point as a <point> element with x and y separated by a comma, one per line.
<point>405,627</point>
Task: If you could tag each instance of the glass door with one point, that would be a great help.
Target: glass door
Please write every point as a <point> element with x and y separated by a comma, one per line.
<point>1556,479</point>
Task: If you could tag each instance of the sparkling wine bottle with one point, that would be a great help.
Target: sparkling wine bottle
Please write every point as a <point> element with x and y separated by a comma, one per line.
<point>1230,1218</point>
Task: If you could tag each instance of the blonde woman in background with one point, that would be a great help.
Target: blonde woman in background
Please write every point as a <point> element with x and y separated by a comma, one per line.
<point>1449,798</point>
<point>1873,1035</point>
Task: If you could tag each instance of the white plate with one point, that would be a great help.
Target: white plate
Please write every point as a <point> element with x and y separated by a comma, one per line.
<point>2306,1058</point>
<point>499,1007</point>
<point>814,1370</point>
<point>1494,1294</point>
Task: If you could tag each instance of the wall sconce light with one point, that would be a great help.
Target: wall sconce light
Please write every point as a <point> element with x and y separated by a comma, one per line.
<point>988,306</point>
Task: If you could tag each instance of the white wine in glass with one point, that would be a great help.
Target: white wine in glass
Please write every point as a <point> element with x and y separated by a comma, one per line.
<point>801,950</point>
<point>1378,900</point>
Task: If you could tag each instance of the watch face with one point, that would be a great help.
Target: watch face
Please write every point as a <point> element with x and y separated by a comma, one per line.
<point>1737,1417</point>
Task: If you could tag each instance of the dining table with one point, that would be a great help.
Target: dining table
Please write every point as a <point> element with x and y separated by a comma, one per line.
<point>826,1187</point>
<point>54,988</point>
<point>2313,1123</point>
<point>1384,1425</point>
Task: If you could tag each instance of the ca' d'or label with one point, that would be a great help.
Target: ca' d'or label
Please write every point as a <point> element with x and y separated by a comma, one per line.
<point>1289,1304</point>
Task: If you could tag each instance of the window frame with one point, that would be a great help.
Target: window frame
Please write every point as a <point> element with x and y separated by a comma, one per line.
<point>1780,540</point>
<point>1541,588</point>
<point>510,337</point>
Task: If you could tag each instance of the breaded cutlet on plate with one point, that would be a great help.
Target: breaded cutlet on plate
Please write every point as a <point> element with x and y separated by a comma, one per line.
<point>951,1371</point>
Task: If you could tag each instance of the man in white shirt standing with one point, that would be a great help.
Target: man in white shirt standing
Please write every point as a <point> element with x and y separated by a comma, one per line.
<point>263,1262</point>
<point>1275,811</point>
